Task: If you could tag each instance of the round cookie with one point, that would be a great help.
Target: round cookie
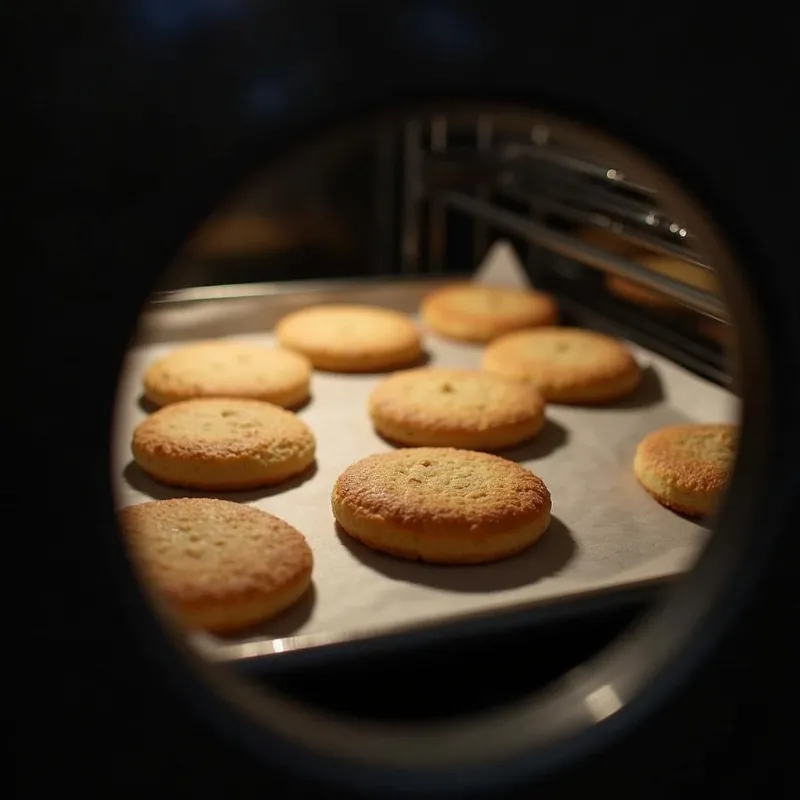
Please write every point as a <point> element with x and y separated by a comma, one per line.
<point>682,271</point>
<point>440,407</point>
<point>223,444</point>
<point>229,369</point>
<point>668,266</point>
<point>442,505</point>
<point>568,365</point>
<point>686,467</point>
<point>351,338</point>
<point>219,566</point>
<point>471,313</point>
<point>609,241</point>
<point>639,295</point>
<point>625,289</point>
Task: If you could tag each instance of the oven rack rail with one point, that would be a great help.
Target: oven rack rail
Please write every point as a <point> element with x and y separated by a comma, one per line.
<point>569,246</point>
<point>574,189</point>
<point>561,193</point>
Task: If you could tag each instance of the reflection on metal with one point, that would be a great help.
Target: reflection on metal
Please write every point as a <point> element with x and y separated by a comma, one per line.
<point>603,702</point>
<point>569,246</point>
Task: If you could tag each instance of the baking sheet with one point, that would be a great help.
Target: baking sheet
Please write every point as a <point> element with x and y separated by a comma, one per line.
<point>606,533</point>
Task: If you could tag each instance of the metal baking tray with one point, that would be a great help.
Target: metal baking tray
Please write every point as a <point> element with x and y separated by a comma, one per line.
<point>607,534</point>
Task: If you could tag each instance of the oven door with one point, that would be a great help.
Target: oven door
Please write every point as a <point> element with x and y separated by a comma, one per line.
<point>145,116</point>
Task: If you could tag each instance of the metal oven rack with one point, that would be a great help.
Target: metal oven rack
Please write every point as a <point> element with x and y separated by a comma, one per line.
<point>537,192</point>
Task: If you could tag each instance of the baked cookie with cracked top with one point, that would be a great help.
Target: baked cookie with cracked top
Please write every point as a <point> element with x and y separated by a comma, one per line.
<point>687,467</point>
<point>442,505</point>
<point>470,312</point>
<point>352,338</point>
<point>567,365</point>
<point>223,368</point>
<point>218,566</point>
<point>470,409</point>
<point>223,444</point>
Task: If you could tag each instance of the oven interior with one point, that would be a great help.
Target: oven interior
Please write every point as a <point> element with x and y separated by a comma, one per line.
<point>426,199</point>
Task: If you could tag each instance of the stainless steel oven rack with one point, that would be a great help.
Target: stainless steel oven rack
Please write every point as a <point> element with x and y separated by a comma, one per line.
<point>541,194</point>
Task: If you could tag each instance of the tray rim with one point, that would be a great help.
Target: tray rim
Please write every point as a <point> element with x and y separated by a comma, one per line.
<point>265,289</point>
<point>544,611</point>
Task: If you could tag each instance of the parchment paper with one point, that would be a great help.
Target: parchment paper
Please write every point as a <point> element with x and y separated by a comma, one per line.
<point>606,531</point>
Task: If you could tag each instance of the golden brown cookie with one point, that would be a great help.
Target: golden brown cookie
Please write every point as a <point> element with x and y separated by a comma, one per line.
<point>625,289</point>
<point>687,467</point>
<point>609,241</point>
<point>222,444</point>
<point>634,292</point>
<point>469,312</point>
<point>229,369</point>
<point>568,365</point>
<point>219,566</point>
<point>351,338</point>
<point>639,295</point>
<point>442,505</point>
<point>682,271</point>
<point>440,407</point>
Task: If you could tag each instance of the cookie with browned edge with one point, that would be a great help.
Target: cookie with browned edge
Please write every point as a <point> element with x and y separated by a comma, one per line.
<point>638,294</point>
<point>218,566</point>
<point>442,505</point>
<point>223,444</point>
<point>674,268</point>
<point>225,368</point>
<point>687,467</point>
<point>472,312</point>
<point>352,338</point>
<point>441,407</point>
<point>567,365</point>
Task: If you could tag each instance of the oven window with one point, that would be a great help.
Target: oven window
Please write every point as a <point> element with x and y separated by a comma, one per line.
<point>448,383</point>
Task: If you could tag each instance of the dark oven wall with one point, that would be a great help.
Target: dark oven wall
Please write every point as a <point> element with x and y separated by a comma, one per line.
<point>341,214</point>
<point>331,219</point>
